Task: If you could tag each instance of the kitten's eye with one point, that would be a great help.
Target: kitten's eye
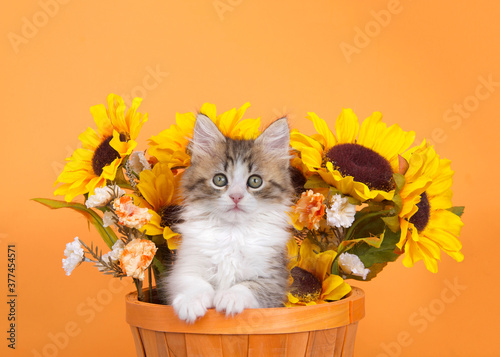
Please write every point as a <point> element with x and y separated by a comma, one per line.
<point>254,181</point>
<point>220,180</point>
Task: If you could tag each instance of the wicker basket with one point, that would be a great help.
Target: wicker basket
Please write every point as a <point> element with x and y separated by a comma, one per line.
<point>318,330</point>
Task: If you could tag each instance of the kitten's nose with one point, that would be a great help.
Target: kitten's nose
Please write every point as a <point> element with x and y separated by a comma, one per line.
<point>236,197</point>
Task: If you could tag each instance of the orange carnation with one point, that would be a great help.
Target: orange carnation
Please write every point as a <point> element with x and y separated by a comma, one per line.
<point>129,214</point>
<point>136,257</point>
<point>309,210</point>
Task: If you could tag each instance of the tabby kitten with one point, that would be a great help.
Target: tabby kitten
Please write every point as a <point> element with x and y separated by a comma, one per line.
<point>234,223</point>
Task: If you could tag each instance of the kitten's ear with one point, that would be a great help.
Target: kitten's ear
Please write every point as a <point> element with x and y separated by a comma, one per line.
<point>276,138</point>
<point>205,137</point>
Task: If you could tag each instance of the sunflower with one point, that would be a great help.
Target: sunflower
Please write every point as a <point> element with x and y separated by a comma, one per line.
<point>359,161</point>
<point>104,150</point>
<point>312,282</point>
<point>170,145</point>
<point>159,188</point>
<point>427,224</point>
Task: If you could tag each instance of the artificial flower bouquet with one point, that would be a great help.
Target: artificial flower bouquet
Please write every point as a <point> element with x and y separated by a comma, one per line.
<point>363,198</point>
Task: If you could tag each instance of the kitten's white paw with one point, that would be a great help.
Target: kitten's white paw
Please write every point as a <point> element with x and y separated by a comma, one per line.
<point>191,305</point>
<point>234,300</point>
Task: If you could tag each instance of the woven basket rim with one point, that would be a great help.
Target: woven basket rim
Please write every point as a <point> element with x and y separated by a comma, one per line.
<point>279,320</point>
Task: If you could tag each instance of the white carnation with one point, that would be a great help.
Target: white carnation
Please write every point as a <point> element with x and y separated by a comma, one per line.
<point>351,264</point>
<point>108,219</point>
<point>340,213</point>
<point>138,162</point>
<point>74,256</point>
<point>113,255</point>
<point>103,195</point>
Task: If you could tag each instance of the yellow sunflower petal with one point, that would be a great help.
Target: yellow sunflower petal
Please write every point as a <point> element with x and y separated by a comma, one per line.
<point>173,239</point>
<point>153,227</point>
<point>147,188</point>
<point>443,228</point>
<point>118,109</point>
<point>112,107</point>
<point>371,129</point>
<point>307,260</point>
<point>335,288</point>
<point>458,256</point>
<point>348,186</point>
<point>299,141</point>
<point>70,192</point>
<point>124,148</point>
<point>347,126</point>
<point>293,253</point>
<point>445,240</point>
<point>295,220</point>
<point>404,234</point>
<point>323,264</point>
<point>226,122</point>
<point>185,123</point>
<point>104,126</point>
<point>392,142</point>
<point>209,110</point>
<point>133,119</point>
<point>443,181</point>
<point>248,129</point>
<point>446,220</point>
<point>421,248</point>
<point>321,127</point>
<point>292,299</point>
<point>90,139</point>
<point>164,185</point>
<point>96,181</point>
<point>413,253</point>
<point>311,158</point>
<point>109,171</point>
<point>241,111</point>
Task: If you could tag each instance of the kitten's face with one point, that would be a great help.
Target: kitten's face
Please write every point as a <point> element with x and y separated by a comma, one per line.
<point>231,179</point>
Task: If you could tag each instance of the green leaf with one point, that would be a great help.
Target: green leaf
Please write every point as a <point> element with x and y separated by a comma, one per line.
<point>158,265</point>
<point>315,182</point>
<point>120,179</point>
<point>366,224</point>
<point>458,210</point>
<point>374,270</point>
<point>158,239</point>
<point>335,267</point>
<point>392,222</point>
<point>348,244</point>
<point>106,233</point>
<point>370,255</point>
<point>398,201</point>
<point>399,180</point>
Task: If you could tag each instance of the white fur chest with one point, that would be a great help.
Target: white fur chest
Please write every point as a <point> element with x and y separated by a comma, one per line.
<point>228,258</point>
<point>228,254</point>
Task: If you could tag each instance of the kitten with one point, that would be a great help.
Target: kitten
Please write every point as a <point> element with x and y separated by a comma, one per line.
<point>235,226</point>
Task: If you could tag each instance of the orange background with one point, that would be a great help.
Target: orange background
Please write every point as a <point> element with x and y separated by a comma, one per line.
<point>423,64</point>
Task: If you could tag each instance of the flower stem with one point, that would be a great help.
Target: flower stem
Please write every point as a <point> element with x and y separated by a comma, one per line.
<point>150,282</point>
<point>138,286</point>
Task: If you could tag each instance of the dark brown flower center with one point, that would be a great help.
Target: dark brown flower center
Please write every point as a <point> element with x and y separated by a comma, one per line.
<point>363,164</point>
<point>305,287</point>
<point>421,217</point>
<point>170,215</point>
<point>103,156</point>
<point>298,180</point>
